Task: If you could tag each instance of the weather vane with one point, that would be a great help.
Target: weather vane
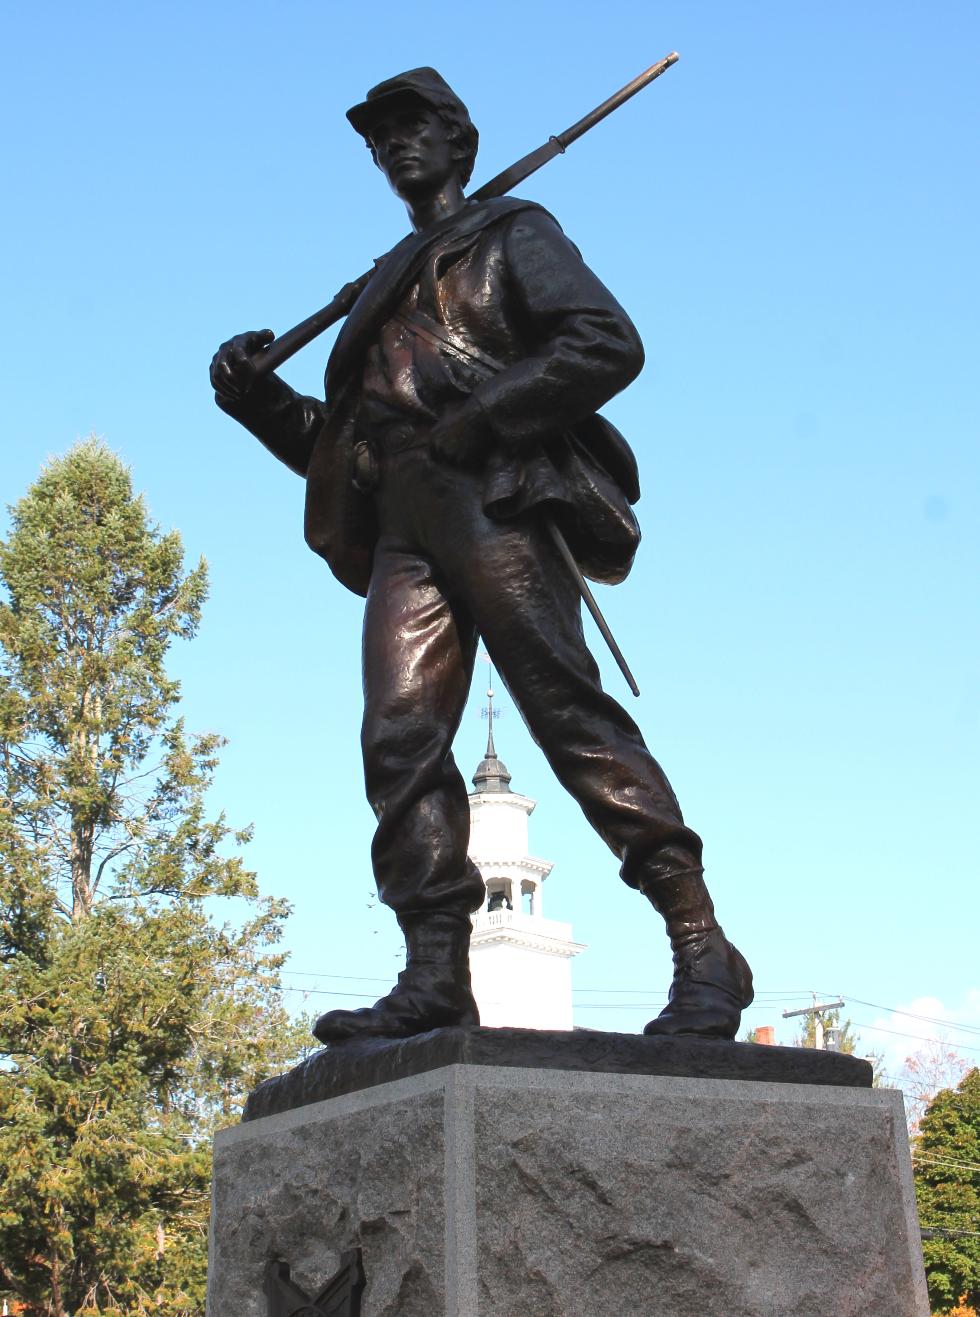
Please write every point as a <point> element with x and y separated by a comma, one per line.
<point>488,711</point>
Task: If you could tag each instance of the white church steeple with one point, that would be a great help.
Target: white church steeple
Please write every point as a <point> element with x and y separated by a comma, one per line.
<point>520,962</point>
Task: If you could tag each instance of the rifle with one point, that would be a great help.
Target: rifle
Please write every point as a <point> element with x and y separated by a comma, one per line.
<point>288,344</point>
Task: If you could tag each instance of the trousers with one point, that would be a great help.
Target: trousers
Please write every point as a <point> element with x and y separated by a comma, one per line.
<point>445,574</point>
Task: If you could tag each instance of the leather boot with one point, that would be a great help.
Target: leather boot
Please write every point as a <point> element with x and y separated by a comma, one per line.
<point>712,982</point>
<point>433,990</point>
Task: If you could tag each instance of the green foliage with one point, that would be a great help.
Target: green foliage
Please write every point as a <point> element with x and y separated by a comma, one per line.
<point>946,1154</point>
<point>132,1022</point>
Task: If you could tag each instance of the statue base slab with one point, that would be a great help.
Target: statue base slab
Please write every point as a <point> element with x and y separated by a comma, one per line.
<point>490,1189</point>
<point>358,1064</point>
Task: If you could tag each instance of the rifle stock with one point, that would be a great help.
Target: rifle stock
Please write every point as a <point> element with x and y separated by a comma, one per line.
<point>286,346</point>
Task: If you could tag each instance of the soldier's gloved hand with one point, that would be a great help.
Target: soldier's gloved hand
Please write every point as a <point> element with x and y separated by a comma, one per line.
<point>461,435</point>
<point>232,369</point>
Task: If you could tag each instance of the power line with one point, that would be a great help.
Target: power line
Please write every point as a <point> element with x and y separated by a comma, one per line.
<point>912,1015</point>
<point>877,1028</point>
<point>641,992</point>
<point>945,1161</point>
<point>346,978</point>
<point>625,992</point>
<point>775,996</point>
<point>620,1006</point>
<point>632,1007</point>
<point>583,1006</point>
<point>952,1211</point>
<point>765,998</point>
<point>930,1232</point>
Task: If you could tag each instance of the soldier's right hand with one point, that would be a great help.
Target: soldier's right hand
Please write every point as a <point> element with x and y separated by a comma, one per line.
<point>232,369</point>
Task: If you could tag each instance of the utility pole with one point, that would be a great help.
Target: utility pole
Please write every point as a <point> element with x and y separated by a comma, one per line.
<point>817,1010</point>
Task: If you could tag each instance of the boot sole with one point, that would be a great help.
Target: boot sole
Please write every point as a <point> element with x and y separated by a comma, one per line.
<point>342,1026</point>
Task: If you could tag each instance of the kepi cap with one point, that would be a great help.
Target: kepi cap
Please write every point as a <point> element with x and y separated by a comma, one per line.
<point>423,84</point>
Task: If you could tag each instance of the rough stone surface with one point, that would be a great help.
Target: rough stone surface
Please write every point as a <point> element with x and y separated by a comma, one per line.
<point>307,1191</point>
<point>349,1067</point>
<point>681,1207</point>
<point>483,1191</point>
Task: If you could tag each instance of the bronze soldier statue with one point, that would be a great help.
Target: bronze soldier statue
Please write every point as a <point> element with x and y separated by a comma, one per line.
<point>460,427</point>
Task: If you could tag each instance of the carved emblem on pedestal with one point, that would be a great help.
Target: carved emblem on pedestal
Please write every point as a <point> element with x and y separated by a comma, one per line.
<point>341,1297</point>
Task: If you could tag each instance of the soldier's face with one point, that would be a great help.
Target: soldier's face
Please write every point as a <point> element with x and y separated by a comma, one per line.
<point>413,150</point>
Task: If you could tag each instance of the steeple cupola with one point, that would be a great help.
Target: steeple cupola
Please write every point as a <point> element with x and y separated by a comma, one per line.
<point>520,961</point>
<point>491,773</point>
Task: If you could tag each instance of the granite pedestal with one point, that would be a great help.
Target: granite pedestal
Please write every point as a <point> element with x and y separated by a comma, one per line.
<point>482,1185</point>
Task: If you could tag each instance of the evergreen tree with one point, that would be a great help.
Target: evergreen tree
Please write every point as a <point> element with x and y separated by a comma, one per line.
<point>946,1154</point>
<point>132,1022</point>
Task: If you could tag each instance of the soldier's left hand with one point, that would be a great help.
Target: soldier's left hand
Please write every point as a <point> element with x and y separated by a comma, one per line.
<point>459,437</point>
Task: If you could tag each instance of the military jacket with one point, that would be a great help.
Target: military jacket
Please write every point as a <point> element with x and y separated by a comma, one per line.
<point>533,343</point>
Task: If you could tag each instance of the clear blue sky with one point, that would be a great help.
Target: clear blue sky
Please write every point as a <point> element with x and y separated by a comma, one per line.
<point>790,216</point>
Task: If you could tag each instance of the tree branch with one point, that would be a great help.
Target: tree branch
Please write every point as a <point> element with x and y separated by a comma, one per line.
<point>112,855</point>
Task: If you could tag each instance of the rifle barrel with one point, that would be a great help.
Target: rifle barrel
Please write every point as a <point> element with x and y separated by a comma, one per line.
<point>288,344</point>
<point>516,173</point>
<point>618,98</point>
